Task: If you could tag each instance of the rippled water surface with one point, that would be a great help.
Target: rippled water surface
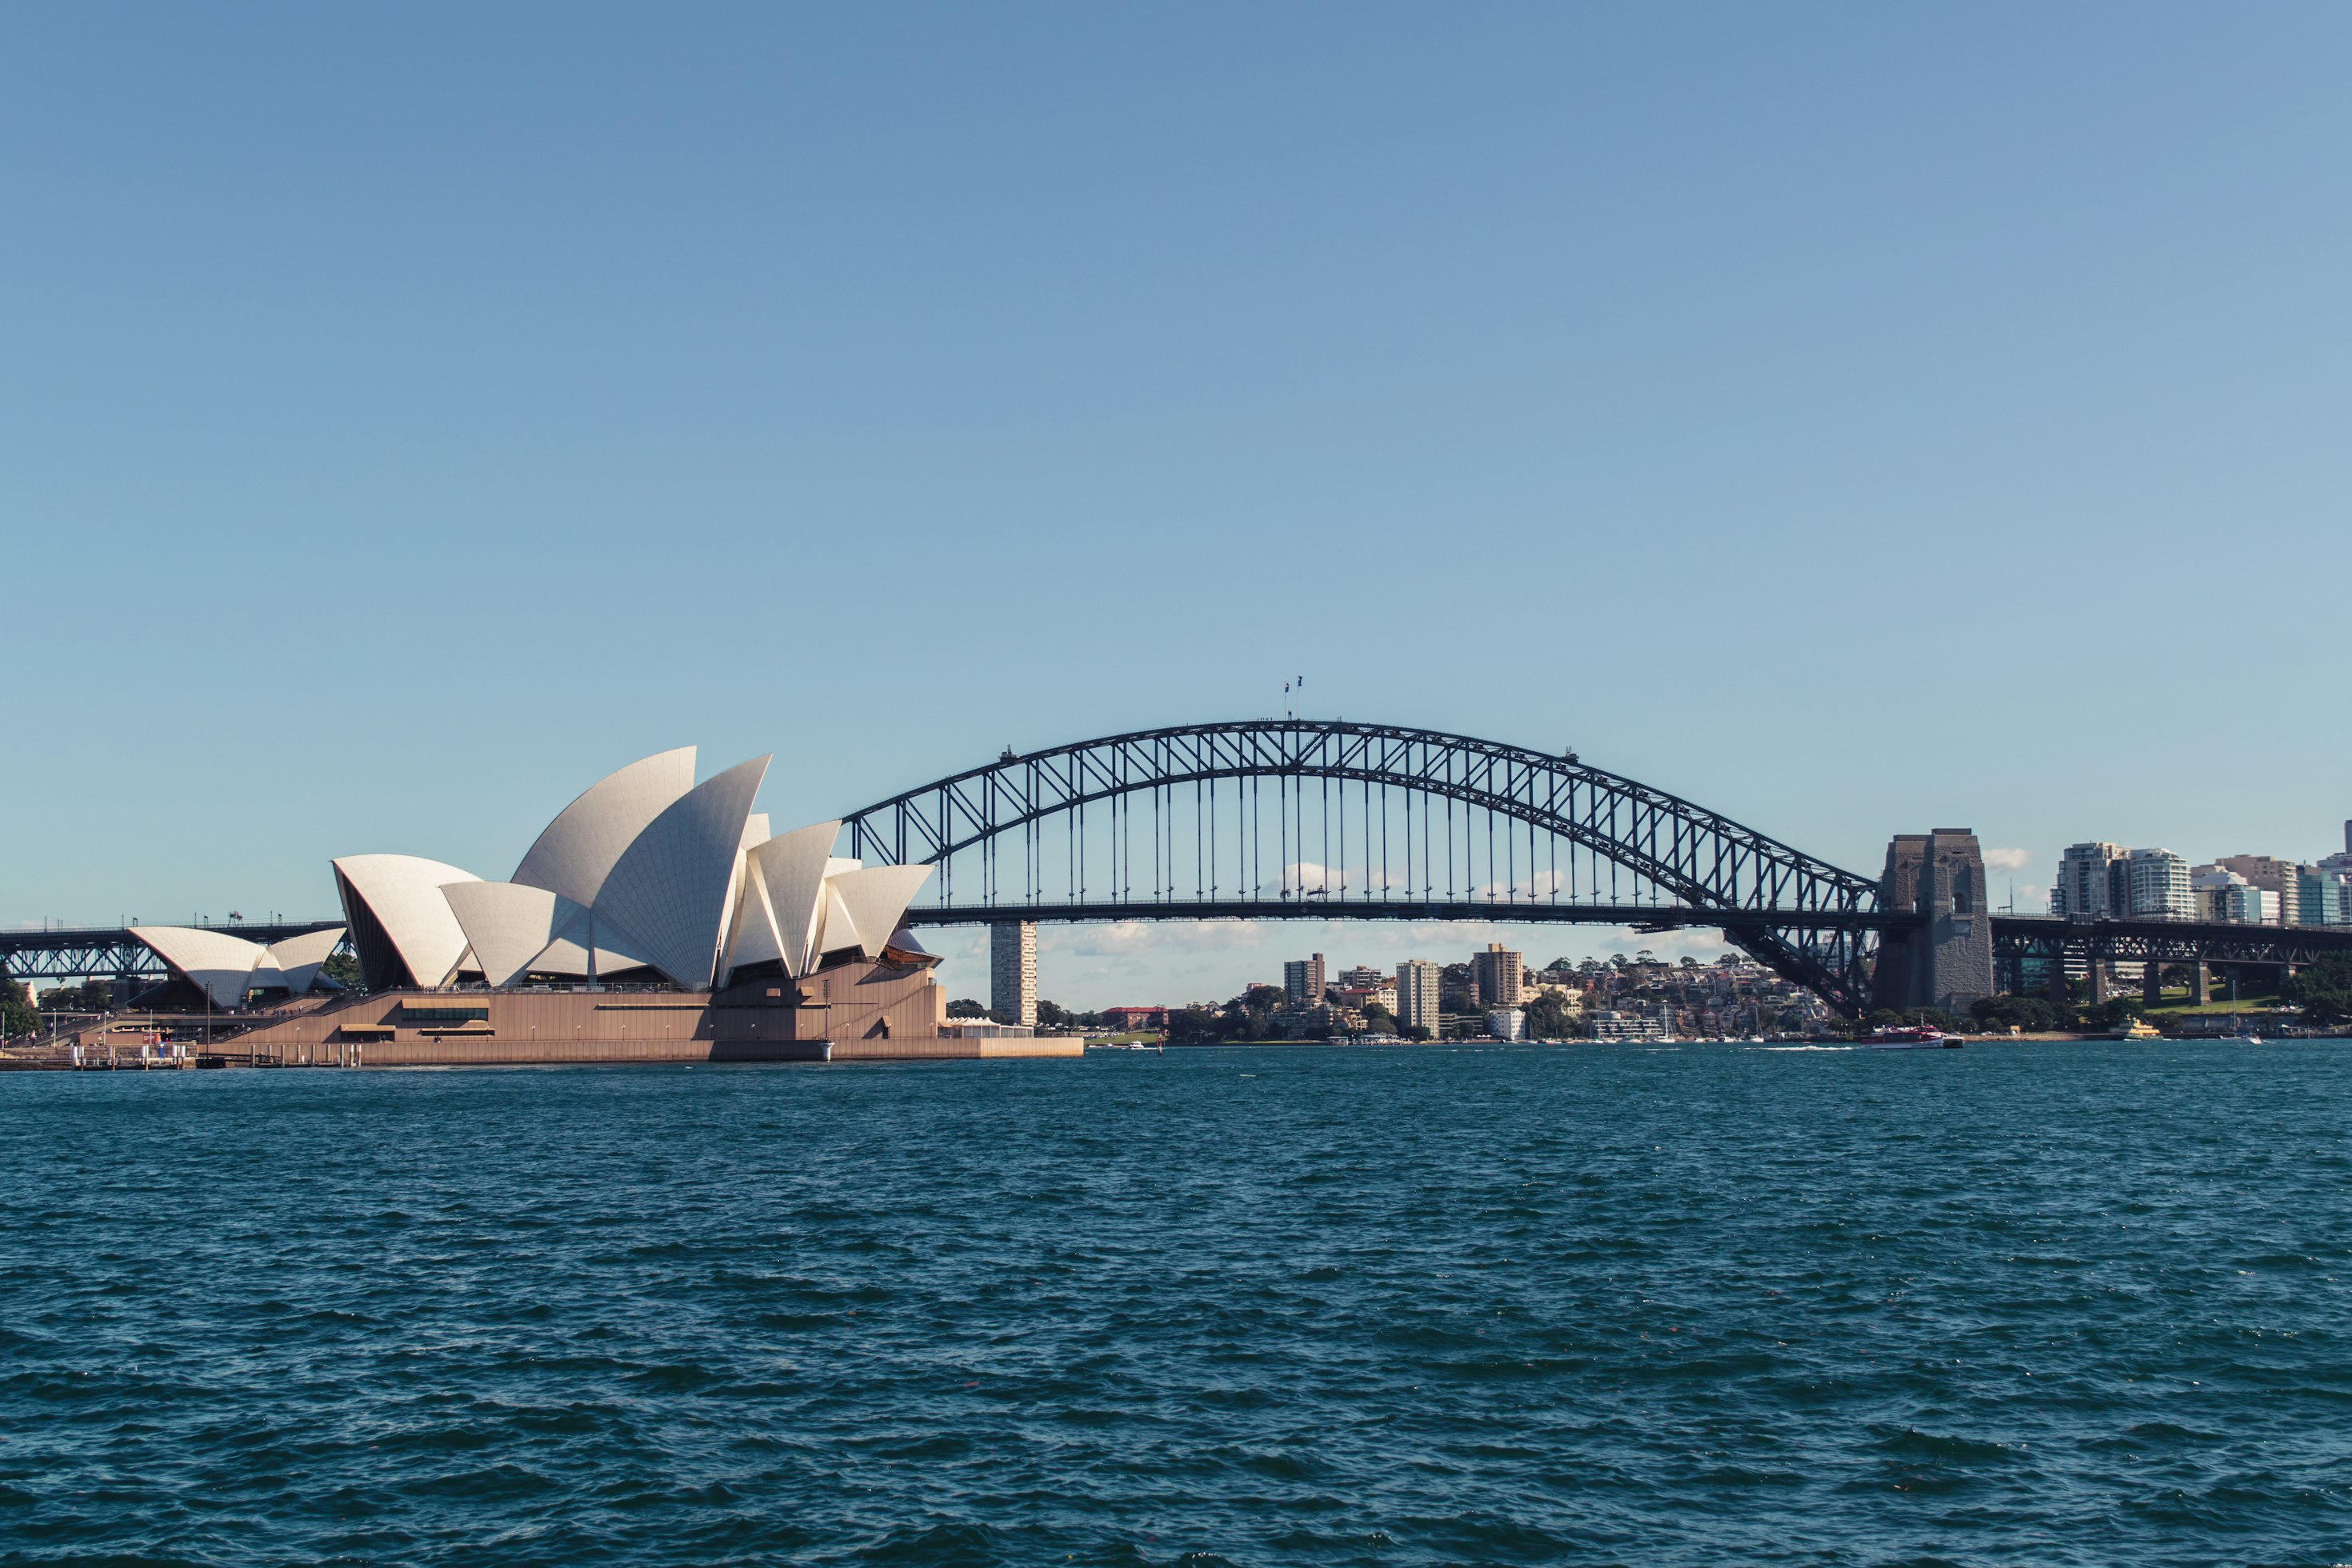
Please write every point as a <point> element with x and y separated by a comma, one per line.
<point>2034,1304</point>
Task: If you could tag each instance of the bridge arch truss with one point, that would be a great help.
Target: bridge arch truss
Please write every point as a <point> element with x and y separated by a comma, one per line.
<point>1298,818</point>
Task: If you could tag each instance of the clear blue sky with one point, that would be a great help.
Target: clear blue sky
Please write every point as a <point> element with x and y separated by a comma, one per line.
<point>1857,418</point>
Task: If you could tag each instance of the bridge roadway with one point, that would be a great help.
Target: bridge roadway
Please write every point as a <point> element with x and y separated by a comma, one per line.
<point>2168,941</point>
<point>2015,937</point>
<point>72,953</point>
<point>1314,907</point>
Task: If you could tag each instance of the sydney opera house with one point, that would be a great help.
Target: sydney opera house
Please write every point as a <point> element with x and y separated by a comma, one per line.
<point>654,918</point>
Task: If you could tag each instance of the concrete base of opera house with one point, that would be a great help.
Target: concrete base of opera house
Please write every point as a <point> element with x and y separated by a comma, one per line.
<point>851,1012</point>
<point>454,1051</point>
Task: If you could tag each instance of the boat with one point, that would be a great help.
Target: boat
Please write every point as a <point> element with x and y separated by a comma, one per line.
<point>2241,1039</point>
<point>2139,1029</point>
<point>1909,1038</point>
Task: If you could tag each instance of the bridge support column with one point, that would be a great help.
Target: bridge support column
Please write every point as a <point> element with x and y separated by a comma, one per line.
<point>2152,983</point>
<point>1946,963</point>
<point>2056,979</point>
<point>2098,967</point>
<point>1013,971</point>
<point>2200,982</point>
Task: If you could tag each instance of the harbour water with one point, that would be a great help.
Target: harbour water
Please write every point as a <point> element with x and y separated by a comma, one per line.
<point>2033,1303</point>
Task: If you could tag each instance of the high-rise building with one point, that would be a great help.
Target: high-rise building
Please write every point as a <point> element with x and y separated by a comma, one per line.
<point>1013,971</point>
<point>2223,895</point>
<point>1302,982</point>
<point>1498,973</point>
<point>2271,874</point>
<point>2245,904</point>
<point>2092,881</point>
<point>2158,887</point>
<point>2323,897</point>
<point>1417,994</point>
<point>1363,978</point>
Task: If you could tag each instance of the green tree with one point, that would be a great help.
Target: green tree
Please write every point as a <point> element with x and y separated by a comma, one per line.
<point>342,967</point>
<point>2028,1013</point>
<point>2325,989</point>
<point>18,1014</point>
<point>1254,1012</point>
<point>91,996</point>
<point>1548,1018</point>
<point>1194,1026</point>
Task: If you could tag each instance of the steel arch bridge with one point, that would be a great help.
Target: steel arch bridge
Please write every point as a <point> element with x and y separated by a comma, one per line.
<point>1314,819</point>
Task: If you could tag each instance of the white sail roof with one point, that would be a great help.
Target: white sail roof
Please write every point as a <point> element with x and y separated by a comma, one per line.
<point>669,888</point>
<point>839,928</point>
<point>224,967</point>
<point>403,892</point>
<point>645,869</point>
<point>568,953</point>
<point>507,924</point>
<point>876,898</point>
<point>791,868</point>
<point>295,962</point>
<point>753,938</point>
<point>578,850</point>
<point>220,964</point>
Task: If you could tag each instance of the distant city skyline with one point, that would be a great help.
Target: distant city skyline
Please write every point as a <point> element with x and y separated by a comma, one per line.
<point>1854,420</point>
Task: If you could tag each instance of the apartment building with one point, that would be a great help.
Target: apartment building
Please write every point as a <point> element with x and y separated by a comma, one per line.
<point>1417,998</point>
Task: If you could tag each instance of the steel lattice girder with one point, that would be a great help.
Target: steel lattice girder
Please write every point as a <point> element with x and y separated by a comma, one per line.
<point>1706,860</point>
<point>2164,941</point>
<point>111,953</point>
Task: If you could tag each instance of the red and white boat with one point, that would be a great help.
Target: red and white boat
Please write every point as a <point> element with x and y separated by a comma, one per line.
<point>1911,1038</point>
